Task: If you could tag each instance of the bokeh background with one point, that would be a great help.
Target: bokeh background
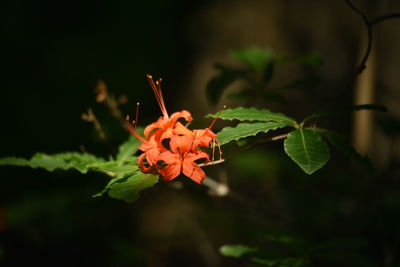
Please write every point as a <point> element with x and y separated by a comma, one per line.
<point>54,54</point>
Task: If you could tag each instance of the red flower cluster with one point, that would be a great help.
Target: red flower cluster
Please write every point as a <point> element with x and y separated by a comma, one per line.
<point>169,147</point>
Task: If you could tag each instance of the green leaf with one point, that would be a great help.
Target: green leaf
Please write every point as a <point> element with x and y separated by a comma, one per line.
<point>243,130</point>
<point>306,148</point>
<point>112,181</point>
<point>219,83</point>
<point>236,251</point>
<point>129,189</point>
<point>254,57</point>
<point>116,168</point>
<point>253,114</point>
<point>129,148</point>
<point>64,161</point>
<point>339,141</point>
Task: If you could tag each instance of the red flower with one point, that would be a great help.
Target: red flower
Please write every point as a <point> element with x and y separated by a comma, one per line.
<point>183,163</point>
<point>169,147</point>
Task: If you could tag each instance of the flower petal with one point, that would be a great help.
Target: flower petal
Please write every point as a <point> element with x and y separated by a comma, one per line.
<point>173,168</point>
<point>191,169</point>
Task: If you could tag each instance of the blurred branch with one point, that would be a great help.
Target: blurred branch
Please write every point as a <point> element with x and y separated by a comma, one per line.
<point>218,189</point>
<point>386,17</point>
<point>111,103</point>
<point>90,117</point>
<point>368,23</point>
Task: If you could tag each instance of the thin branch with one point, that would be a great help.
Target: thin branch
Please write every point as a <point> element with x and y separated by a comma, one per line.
<point>362,65</point>
<point>368,23</point>
<point>385,17</point>
<point>274,138</point>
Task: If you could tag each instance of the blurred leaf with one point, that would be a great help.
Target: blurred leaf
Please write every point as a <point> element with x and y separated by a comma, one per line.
<point>312,59</point>
<point>129,189</point>
<point>273,96</point>
<point>64,161</point>
<point>254,57</point>
<point>306,148</point>
<point>339,141</point>
<point>339,243</point>
<point>256,163</point>
<point>390,125</point>
<point>243,130</point>
<point>348,258</point>
<point>128,148</point>
<point>340,111</point>
<point>253,114</point>
<point>302,83</point>
<point>242,95</point>
<point>269,71</point>
<point>236,251</point>
<point>219,83</point>
<point>285,262</point>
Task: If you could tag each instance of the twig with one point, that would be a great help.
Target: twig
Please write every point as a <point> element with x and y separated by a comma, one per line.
<point>368,23</point>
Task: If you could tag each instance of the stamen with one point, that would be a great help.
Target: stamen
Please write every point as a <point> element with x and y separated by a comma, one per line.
<point>216,117</point>
<point>137,114</point>
<point>132,130</point>
<point>156,87</point>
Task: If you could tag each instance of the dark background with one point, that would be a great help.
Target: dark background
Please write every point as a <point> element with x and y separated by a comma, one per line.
<point>53,55</point>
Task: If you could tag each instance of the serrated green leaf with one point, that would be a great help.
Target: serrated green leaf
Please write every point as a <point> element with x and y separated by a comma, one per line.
<point>129,189</point>
<point>221,81</point>
<point>236,251</point>
<point>253,114</point>
<point>127,149</point>
<point>339,141</point>
<point>116,168</point>
<point>64,161</point>
<point>254,57</point>
<point>306,148</point>
<point>243,130</point>
<point>108,185</point>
